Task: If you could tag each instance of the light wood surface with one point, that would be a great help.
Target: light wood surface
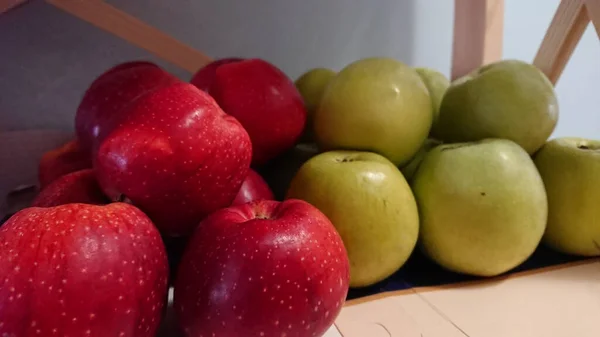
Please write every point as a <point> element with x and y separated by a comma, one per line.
<point>565,30</point>
<point>129,28</point>
<point>556,302</point>
<point>478,34</point>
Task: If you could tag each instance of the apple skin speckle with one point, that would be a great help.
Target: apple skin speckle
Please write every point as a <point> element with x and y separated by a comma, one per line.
<point>262,98</point>
<point>104,103</point>
<point>177,156</point>
<point>77,187</point>
<point>265,268</point>
<point>81,270</point>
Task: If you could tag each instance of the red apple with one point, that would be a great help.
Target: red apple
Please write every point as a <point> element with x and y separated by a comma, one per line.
<point>128,65</point>
<point>204,77</point>
<point>81,270</point>
<point>264,100</point>
<point>265,268</point>
<point>103,104</point>
<point>253,188</point>
<point>76,187</point>
<point>178,157</point>
<point>69,157</point>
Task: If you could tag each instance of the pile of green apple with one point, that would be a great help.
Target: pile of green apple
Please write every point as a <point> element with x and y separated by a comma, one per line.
<point>401,158</point>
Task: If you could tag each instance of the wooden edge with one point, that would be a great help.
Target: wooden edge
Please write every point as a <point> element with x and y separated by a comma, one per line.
<point>593,10</point>
<point>129,28</point>
<point>416,290</point>
<point>563,35</point>
<point>6,5</point>
<point>478,34</point>
<point>494,31</point>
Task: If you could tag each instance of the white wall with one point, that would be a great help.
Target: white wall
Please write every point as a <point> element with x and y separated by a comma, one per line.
<point>577,88</point>
<point>525,24</point>
<point>48,58</point>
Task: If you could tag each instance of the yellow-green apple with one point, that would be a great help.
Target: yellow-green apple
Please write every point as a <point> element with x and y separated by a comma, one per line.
<point>569,167</point>
<point>437,84</point>
<point>264,268</point>
<point>81,270</point>
<point>311,86</point>
<point>507,99</point>
<point>104,102</point>
<point>205,76</point>
<point>279,172</point>
<point>370,204</point>
<point>375,104</point>
<point>409,169</point>
<point>177,156</point>
<point>253,188</point>
<point>482,206</point>
<point>76,187</point>
<point>262,98</point>
<point>67,158</point>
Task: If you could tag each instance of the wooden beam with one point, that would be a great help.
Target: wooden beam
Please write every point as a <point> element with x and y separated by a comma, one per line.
<point>565,30</point>
<point>593,10</point>
<point>131,29</point>
<point>6,5</point>
<point>478,34</point>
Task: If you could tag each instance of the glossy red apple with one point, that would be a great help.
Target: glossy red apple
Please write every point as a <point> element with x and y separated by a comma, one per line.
<point>264,100</point>
<point>178,157</point>
<point>76,187</point>
<point>81,270</point>
<point>69,157</point>
<point>103,104</point>
<point>128,65</point>
<point>265,268</point>
<point>253,188</point>
<point>204,77</point>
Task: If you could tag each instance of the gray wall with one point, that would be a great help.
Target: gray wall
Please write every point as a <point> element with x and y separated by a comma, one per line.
<point>49,58</point>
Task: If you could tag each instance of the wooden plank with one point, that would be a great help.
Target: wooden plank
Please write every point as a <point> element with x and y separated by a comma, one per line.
<point>565,30</point>
<point>478,34</point>
<point>131,29</point>
<point>593,10</point>
<point>6,5</point>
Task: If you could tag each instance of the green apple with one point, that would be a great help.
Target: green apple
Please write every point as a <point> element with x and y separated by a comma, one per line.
<point>311,86</point>
<point>279,172</point>
<point>409,169</point>
<point>375,104</point>
<point>371,205</point>
<point>570,168</point>
<point>482,206</point>
<point>507,99</point>
<point>437,84</point>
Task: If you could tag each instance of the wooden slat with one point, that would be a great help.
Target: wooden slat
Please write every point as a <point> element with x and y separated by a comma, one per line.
<point>478,34</point>
<point>593,10</point>
<point>129,28</point>
<point>563,35</point>
<point>6,5</point>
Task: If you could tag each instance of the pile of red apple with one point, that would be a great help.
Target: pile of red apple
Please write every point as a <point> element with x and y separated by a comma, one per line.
<point>155,160</point>
<point>174,183</point>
